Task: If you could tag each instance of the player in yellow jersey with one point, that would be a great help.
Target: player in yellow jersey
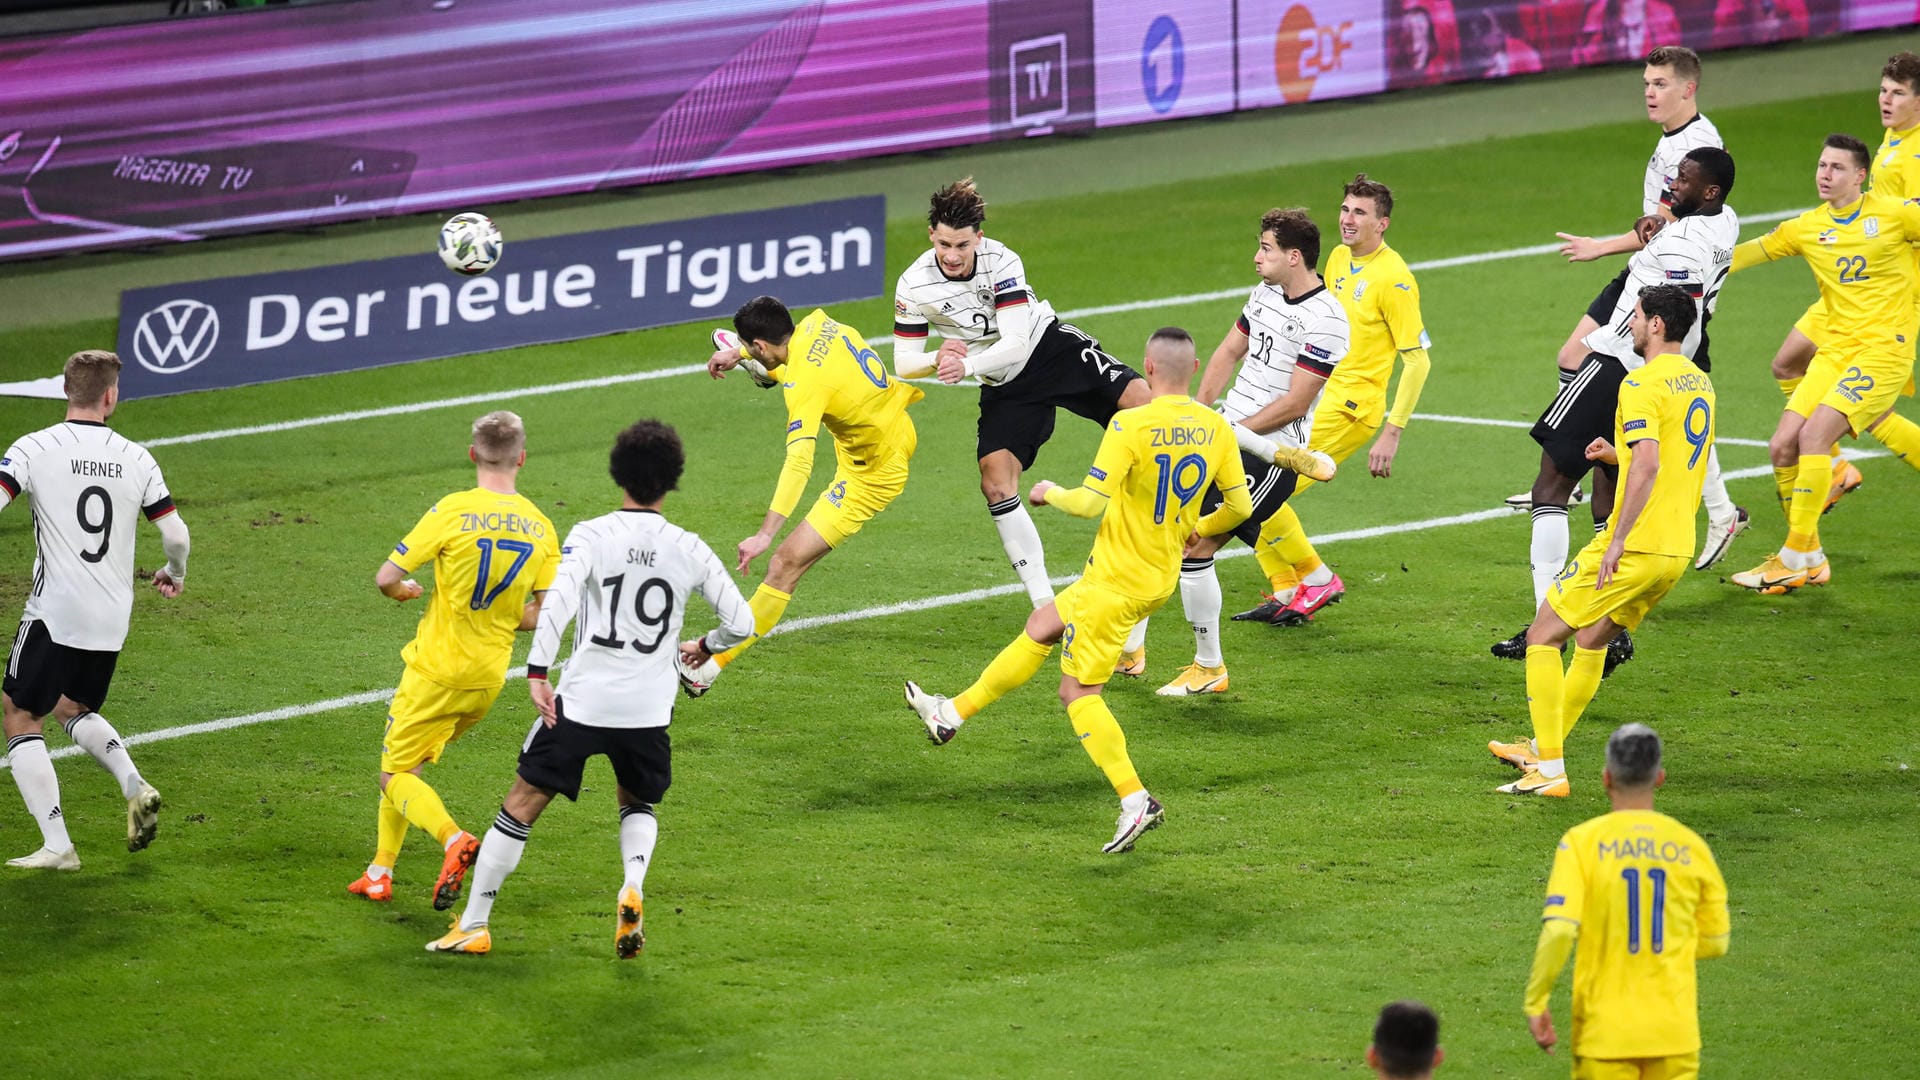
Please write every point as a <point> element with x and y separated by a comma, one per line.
<point>494,555</point>
<point>1894,173</point>
<point>1154,464</point>
<point>1382,302</point>
<point>1860,250</point>
<point>832,379</point>
<point>1663,431</point>
<point>1642,897</point>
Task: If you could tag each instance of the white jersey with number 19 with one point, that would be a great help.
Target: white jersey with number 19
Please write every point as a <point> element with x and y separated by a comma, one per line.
<point>85,483</point>
<point>628,575</point>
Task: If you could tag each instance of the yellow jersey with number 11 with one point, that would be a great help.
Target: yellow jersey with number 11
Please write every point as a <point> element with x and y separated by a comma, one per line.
<point>489,553</point>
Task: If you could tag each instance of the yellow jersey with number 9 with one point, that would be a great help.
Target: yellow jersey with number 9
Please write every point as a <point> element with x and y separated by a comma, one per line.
<point>1862,257</point>
<point>1154,464</point>
<point>1671,400</point>
<point>489,553</point>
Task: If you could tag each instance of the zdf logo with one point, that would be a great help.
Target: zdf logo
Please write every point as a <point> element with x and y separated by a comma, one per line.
<point>1304,50</point>
<point>175,336</point>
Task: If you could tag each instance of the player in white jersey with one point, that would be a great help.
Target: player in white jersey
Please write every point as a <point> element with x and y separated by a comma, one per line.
<point>1696,253</point>
<point>84,484</point>
<point>628,576</point>
<point>1287,340</point>
<point>973,291</point>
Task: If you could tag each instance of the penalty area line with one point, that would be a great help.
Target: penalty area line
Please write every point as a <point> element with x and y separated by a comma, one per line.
<point>929,603</point>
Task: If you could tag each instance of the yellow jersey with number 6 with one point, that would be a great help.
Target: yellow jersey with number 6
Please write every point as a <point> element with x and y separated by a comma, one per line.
<point>1644,891</point>
<point>489,553</point>
<point>1154,464</point>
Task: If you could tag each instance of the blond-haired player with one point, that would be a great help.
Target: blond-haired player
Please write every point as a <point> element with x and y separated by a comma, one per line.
<point>1155,462</point>
<point>494,555</point>
<point>1637,899</point>
<point>1859,247</point>
<point>1663,430</point>
<point>832,379</point>
<point>1382,302</point>
<point>1895,174</point>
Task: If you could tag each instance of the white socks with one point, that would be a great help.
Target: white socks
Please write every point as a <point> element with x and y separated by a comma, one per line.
<point>638,831</point>
<point>499,855</point>
<point>33,772</point>
<point>1200,596</point>
<point>1713,492</point>
<point>1136,638</point>
<point>1022,543</point>
<point>1548,555</point>
<point>1318,576</point>
<point>1552,768</point>
<point>97,737</point>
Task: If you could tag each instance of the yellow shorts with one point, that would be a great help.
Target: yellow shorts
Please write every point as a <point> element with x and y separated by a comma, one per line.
<point>1814,323</point>
<point>1641,582</point>
<point>1339,431</point>
<point>425,717</point>
<point>859,491</point>
<point>1857,382</point>
<point>1098,620</point>
<point>1674,1067</point>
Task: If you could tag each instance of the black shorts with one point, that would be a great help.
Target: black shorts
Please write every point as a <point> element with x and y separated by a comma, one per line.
<point>1268,485</point>
<point>1068,370</point>
<point>554,757</point>
<point>40,670</point>
<point>1601,310</point>
<point>1581,412</point>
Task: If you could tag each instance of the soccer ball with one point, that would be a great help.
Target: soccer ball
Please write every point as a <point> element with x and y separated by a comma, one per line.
<point>470,244</point>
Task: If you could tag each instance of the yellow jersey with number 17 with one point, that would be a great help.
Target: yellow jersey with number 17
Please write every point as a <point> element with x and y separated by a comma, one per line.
<point>489,553</point>
<point>1154,464</point>
<point>1671,400</point>
<point>1860,254</point>
<point>1644,891</point>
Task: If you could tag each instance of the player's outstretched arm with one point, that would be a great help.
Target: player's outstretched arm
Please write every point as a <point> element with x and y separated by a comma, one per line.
<point>1220,366</point>
<point>176,542</point>
<point>1081,502</point>
<point>1017,329</point>
<point>1586,248</point>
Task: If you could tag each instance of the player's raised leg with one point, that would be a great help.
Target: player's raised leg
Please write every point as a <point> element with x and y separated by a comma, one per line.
<point>1014,665</point>
<point>91,732</point>
<point>497,858</point>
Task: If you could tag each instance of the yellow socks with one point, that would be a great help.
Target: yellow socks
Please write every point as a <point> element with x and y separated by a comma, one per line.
<point>1014,666</point>
<point>1280,575</point>
<point>768,604</point>
<point>1809,500</point>
<point>1286,536</point>
<point>392,831</point>
<point>1783,487</point>
<point>1901,435</point>
<point>1546,690</point>
<point>1104,742</point>
<point>421,805</point>
<point>1583,679</point>
<point>1788,386</point>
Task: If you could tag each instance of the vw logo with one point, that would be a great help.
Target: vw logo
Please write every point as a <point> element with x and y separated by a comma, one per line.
<point>1163,63</point>
<point>175,336</point>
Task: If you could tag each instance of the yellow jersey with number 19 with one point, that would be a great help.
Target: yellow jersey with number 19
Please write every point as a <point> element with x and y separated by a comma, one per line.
<point>1671,400</point>
<point>1154,464</point>
<point>489,553</point>
<point>1644,891</point>
<point>1860,255</point>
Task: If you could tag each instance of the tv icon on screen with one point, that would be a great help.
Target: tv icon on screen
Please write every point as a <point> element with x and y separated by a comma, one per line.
<point>1037,69</point>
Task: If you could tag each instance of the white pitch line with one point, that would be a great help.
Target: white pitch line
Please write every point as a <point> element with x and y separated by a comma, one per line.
<point>929,603</point>
<point>690,369</point>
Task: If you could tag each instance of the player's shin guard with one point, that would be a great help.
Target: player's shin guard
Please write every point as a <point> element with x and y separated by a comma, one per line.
<point>1809,501</point>
<point>1783,487</point>
<point>40,788</point>
<point>1547,555</point>
<point>499,856</point>
<point>1713,491</point>
<point>639,830</point>
<point>1900,435</point>
<point>1104,742</point>
<point>390,833</point>
<point>1546,691</point>
<point>1015,665</point>
<point>93,734</point>
<point>421,805</point>
<point>1022,543</point>
<point>1200,596</point>
<point>768,605</point>
<point>1577,690</point>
